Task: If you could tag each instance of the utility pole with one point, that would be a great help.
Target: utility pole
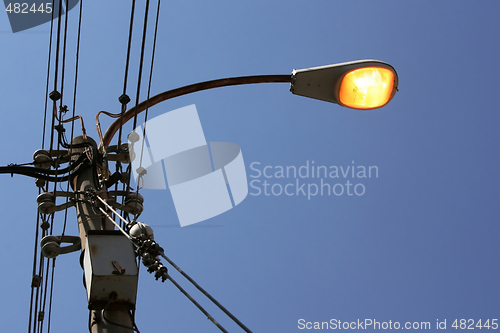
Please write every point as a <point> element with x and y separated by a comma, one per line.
<point>107,255</point>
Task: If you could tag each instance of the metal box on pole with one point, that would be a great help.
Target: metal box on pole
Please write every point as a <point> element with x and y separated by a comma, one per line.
<point>110,266</point>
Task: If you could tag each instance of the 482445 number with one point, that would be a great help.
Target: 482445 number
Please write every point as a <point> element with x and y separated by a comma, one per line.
<point>24,8</point>
<point>470,324</point>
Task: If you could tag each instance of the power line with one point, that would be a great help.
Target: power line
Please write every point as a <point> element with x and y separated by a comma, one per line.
<point>149,84</point>
<point>35,279</point>
<point>124,99</point>
<point>197,304</point>
<point>74,100</point>
<point>56,69</point>
<point>48,78</point>
<point>141,61</point>
<point>51,292</point>
<point>63,65</point>
<point>149,250</point>
<point>91,154</point>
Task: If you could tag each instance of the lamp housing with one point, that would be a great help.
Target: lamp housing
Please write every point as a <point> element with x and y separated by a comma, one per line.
<point>362,84</point>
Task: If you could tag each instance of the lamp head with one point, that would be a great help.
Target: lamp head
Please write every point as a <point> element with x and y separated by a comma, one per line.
<point>364,84</point>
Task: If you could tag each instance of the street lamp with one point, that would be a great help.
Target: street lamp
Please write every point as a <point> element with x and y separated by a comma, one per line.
<point>364,84</point>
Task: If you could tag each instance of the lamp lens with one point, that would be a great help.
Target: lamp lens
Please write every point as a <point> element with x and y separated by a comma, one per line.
<point>367,88</point>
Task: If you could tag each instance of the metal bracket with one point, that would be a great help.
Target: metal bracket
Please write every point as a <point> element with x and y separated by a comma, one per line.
<point>47,202</point>
<point>51,245</point>
<point>118,270</point>
<point>121,154</point>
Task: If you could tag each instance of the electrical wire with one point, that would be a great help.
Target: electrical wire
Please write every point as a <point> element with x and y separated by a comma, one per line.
<point>56,69</point>
<point>168,277</point>
<point>77,59</point>
<point>51,292</point>
<point>98,124</point>
<point>149,85</point>
<point>84,144</point>
<point>82,159</point>
<point>74,102</point>
<point>63,65</point>
<point>40,290</point>
<point>57,165</point>
<point>46,289</point>
<point>48,80</point>
<point>134,328</point>
<point>132,317</point>
<point>112,298</point>
<point>33,284</point>
<point>56,73</point>
<point>197,304</point>
<point>38,300</point>
<point>162,254</point>
<point>42,173</point>
<point>124,98</point>
<point>72,119</point>
<point>55,178</point>
<point>141,61</point>
<point>43,291</point>
<point>204,292</point>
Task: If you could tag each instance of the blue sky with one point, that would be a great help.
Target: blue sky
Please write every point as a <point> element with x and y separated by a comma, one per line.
<point>419,245</point>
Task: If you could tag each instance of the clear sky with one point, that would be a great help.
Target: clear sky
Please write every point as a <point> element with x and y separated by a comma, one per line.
<point>419,245</point>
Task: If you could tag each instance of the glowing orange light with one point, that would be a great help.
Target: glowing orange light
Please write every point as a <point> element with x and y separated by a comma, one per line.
<point>367,88</point>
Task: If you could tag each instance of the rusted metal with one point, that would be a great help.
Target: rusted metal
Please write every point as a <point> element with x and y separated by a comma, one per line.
<point>169,94</point>
<point>118,270</point>
<point>110,267</point>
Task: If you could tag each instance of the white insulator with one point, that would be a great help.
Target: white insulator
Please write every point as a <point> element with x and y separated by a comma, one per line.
<point>140,229</point>
<point>131,155</point>
<point>133,137</point>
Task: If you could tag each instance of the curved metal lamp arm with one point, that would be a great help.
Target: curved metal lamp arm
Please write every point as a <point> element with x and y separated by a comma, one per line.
<point>232,81</point>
